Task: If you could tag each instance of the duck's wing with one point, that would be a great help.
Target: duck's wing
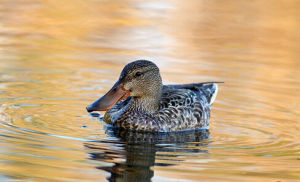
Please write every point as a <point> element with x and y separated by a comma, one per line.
<point>186,106</point>
<point>207,89</point>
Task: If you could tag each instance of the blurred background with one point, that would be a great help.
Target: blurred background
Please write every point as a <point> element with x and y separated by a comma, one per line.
<point>56,57</point>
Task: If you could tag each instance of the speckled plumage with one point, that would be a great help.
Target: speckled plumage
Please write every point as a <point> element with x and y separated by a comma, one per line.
<point>153,106</point>
<point>181,107</point>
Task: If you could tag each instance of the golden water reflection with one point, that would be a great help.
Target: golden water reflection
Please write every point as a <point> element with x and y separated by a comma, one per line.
<point>58,56</point>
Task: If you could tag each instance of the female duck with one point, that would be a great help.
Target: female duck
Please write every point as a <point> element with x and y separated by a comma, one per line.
<point>139,101</point>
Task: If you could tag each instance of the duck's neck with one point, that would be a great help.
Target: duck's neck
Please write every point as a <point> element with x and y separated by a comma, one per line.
<point>148,104</point>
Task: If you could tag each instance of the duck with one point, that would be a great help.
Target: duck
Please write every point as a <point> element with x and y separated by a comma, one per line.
<point>139,101</point>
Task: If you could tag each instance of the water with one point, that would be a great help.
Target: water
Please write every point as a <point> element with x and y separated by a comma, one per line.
<point>56,57</point>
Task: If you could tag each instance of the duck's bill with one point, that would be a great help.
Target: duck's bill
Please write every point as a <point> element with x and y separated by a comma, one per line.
<point>106,102</point>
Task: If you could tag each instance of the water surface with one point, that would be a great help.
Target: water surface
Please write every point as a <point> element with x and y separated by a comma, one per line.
<point>56,57</point>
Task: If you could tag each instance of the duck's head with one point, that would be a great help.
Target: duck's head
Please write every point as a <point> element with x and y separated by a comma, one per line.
<point>139,79</point>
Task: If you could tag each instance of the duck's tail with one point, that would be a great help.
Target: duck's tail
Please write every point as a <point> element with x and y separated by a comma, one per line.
<point>210,91</point>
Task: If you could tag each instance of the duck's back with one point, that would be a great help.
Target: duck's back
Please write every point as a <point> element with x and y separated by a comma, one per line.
<point>186,106</point>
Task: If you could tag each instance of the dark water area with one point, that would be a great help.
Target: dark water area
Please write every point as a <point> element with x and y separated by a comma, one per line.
<point>56,57</point>
<point>141,150</point>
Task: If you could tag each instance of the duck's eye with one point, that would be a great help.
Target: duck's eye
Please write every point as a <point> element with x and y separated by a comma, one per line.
<point>138,74</point>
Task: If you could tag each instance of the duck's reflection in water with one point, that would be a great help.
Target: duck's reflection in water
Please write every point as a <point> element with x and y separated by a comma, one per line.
<point>135,153</point>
